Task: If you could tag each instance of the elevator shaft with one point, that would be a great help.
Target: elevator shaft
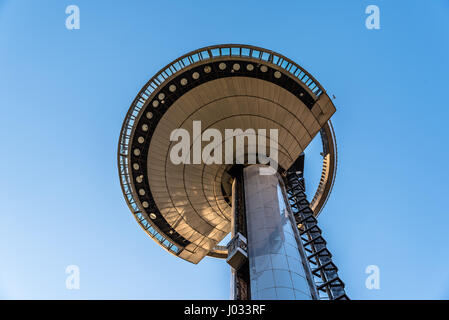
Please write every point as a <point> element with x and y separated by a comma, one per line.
<point>266,251</point>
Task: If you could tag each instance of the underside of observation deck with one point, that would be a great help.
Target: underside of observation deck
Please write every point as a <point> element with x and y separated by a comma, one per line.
<point>183,207</point>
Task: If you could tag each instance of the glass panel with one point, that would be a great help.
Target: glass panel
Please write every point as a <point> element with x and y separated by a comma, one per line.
<point>264,279</point>
<point>285,294</point>
<point>279,261</point>
<point>275,261</point>
<point>301,295</point>
<point>282,278</point>
<point>299,282</point>
<point>268,294</point>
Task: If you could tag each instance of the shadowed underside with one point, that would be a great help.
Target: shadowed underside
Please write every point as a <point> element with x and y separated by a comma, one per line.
<point>183,207</point>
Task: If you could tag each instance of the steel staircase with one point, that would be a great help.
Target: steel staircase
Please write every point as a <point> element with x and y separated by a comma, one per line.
<point>325,272</point>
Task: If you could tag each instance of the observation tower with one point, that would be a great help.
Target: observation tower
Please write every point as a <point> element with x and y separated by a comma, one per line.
<point>214,144</point>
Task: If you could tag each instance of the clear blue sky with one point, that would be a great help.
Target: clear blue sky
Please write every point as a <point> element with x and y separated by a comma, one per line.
<point>64,94</point>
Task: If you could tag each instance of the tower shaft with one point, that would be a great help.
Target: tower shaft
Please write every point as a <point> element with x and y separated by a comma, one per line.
<point>275,258</point>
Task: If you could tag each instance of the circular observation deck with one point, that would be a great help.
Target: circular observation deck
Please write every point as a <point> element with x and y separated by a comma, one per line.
<point>185,207</point>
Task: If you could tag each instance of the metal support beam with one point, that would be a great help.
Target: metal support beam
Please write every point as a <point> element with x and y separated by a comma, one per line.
<point>327,281</point>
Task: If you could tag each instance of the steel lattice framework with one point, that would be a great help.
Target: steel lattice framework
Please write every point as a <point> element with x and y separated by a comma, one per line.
<point>325,272</point>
